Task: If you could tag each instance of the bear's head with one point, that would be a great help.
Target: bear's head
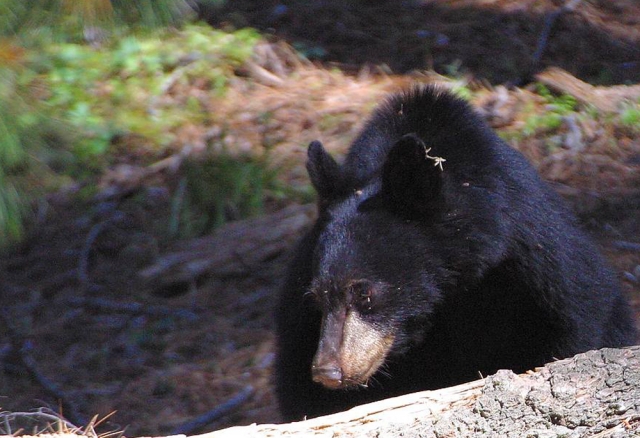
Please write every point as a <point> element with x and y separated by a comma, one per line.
<point>377,272</point>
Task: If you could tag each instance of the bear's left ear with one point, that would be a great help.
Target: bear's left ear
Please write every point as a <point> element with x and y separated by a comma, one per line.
<point>323,170</point>
<point>409,178</point>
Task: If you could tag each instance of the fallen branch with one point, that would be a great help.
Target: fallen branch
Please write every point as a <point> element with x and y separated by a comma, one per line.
<point>24,347</point>
<point>69,408</point>
<point>592,393</point>
<point>626,246</point>
<point>107,305</point>
<point>605,99</point>
<point>263,75</point>
<point>549,21</point>
<point>83,259</point>
<point>236,249</point>
<point>218,412</point>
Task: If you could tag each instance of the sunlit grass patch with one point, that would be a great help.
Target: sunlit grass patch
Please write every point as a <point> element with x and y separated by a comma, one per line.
<point>148,85</point>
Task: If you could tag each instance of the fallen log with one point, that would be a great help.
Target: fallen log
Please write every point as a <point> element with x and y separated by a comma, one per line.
<point>236,249</point>
<point>593,394</point>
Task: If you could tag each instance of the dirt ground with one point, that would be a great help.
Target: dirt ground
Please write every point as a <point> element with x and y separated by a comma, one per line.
<point>496,40</point>
<point>84,333</point>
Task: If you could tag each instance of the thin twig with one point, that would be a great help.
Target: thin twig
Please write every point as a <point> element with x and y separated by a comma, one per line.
<point>103,304</point>
<point>169,82</point>
<point>52,388</point>
<point>24,347</point>
<point>626,246</point>
<point>85,252</point>
<point>215,414</point>
<point>176,207</point>
<point>263,75</point>
<point>549,21</point>
<point>83,261</point>
<point>6,418</point>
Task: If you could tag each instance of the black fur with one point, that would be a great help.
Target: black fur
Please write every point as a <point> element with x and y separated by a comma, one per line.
<point>483,267</point>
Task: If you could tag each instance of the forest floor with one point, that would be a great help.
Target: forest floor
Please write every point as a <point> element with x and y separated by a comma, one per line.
<point>90,329</point>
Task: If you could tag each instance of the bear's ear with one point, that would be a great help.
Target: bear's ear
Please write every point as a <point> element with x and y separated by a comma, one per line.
<point>410,181</point>
<point>323,170</point>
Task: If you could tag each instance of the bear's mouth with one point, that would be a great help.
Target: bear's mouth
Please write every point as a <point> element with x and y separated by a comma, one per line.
<point>351,350</point>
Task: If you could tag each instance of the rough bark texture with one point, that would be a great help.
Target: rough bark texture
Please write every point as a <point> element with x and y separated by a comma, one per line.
<point>593,394</point>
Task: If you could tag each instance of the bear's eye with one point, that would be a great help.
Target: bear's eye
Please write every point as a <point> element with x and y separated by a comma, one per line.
<point>361,294</point>
<point>312,298</point>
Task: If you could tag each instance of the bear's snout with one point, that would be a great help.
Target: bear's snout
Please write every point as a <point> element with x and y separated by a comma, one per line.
<point>328,375</point>
<point>350,351</point>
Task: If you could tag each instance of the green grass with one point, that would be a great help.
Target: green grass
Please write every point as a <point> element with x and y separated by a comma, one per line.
<point>28,141</point>
<point>557,107</point>
<point>630,116</point>
<point>220,189</point>
<point>127,87</point>
<point>63,103</point>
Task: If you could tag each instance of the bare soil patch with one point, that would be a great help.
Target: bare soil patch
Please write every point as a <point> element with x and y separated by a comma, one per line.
<point>496,40</point>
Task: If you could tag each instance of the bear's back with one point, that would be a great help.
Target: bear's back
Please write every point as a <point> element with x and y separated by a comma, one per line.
<point>449,127</point>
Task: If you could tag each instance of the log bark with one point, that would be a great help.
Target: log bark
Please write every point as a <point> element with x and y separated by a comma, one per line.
<point>593,394</point>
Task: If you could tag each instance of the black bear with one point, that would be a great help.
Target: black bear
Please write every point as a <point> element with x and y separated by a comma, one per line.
<point>438,255</point>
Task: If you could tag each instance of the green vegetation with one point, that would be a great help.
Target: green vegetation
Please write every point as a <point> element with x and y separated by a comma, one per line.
<point>63,103</point>
<point>126,87</point>
<point>557,107</point>
<point>462,91</point>
<point>220,189</point>
<point>27,139</point>
<point>630,116</point>
<point>80,19</point>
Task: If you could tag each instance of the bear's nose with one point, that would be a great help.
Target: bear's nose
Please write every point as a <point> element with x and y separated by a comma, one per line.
<point>329,375</point>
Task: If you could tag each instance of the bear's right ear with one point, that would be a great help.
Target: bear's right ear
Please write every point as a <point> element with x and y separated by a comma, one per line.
<point>323,171</point>
<point>410,181</point>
